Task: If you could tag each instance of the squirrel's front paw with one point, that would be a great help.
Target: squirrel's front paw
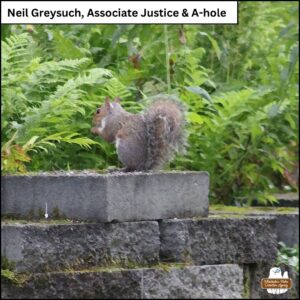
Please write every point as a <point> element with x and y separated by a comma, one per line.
<point>95,130</point>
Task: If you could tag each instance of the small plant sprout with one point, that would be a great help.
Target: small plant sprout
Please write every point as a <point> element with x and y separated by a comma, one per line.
<point>46,212</point>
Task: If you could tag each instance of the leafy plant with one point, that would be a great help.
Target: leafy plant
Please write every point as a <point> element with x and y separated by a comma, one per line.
<point>43,104</point>
<point>288,256</point>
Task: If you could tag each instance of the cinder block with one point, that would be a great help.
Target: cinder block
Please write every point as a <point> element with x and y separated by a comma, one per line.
<point>287,220</point>
<point>40,247</point>
<point>110,197</point>
<point>190,282</point>
<point>219,240</point>
<point>194,282</point>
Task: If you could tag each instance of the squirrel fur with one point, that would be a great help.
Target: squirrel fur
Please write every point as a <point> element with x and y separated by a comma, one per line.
<point>144,141</point>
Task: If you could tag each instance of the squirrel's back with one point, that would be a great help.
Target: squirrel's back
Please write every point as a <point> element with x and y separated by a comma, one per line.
<point>165,122</point>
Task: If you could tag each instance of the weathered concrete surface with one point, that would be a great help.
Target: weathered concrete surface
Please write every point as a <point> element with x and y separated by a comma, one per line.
<point>206,282</point>
<point>77,285</point>
<point>38,248</point>
<point>288,229</point>
<point>218,241</point>
<point>287,219</point>
<point>194,282</point>
<point>118,196</point>
<point>214,240</point>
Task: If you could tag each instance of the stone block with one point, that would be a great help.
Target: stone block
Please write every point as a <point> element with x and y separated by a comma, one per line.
<point>189,282</point>
<point>287,219</point>
<point>219,240</point>
<point>111,197</point>
<point>40,247</point>
<point>195,282</point>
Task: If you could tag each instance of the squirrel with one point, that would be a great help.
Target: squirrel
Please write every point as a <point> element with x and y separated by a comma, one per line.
<point>144,141</point>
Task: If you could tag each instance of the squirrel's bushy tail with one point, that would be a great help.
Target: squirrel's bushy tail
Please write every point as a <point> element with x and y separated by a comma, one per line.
<point>165,121</point>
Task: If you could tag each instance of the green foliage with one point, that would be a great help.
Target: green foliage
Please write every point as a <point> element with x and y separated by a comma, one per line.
<point>8,275</point>
<point>43,106</point>
<point>239,83</point>
<point>6,264</point>
<point>288,256</point>
<point>7,270</point>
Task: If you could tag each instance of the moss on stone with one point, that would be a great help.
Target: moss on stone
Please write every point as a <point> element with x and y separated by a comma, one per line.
<point>10,216</point>
<point>227,216</point>
<point>11,277</point>
<point>113,264</point>
<point>252,210</point>
<point>55,213</point>
<point>246,282</point>
<point>7,264</point>
<point>31,214</point>
<point>41,213</point>
<point>115,267</point>
<point>37,221</point>
<point>8,275</point>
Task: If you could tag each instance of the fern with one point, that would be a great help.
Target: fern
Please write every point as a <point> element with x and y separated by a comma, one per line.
<point>14,53</point>
<point>61,106</point>
<point>55,72</point>
<point>94,77</point>
<point>43,102</point>
<point>114,88</point>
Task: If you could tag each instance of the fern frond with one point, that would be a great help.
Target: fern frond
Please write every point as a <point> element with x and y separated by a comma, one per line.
<point>14,52</point>
<point>93,77</point>
<point>114,88</point>
<point>55,71</point>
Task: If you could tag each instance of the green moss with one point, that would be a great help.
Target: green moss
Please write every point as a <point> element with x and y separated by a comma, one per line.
<point>251,210</point>
<point>121,263</point>
<point>7,264</point>
<point>287,209</point>
<point>10,216</point>
<point>227,216</point>
<point>8,275</point>
<point>41,213</point>
<point>169,266</point>
<point>31,214</point>
<point>55,213</point>
<point>13,278</point>
<point>44,221</point>
<point>117,268</point>
<point>246,282</point>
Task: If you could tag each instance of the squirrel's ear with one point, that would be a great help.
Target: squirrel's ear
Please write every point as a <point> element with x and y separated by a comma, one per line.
<point>107,103</point>
<point>117,99</point>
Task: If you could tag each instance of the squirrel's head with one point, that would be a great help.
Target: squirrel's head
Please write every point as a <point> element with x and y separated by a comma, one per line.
<point>105,118</point>
<point>107,108</point>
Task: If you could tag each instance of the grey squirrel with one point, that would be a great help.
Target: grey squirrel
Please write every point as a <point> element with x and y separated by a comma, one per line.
<point>144,141</point>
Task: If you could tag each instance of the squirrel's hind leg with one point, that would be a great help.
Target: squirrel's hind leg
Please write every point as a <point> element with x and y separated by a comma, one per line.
<point>131,152</point>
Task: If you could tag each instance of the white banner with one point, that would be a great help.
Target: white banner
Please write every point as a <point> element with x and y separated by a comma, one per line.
<point>119,12</point>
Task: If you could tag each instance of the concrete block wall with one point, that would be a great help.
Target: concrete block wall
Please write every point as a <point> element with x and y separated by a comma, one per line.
<point>162,246</point>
